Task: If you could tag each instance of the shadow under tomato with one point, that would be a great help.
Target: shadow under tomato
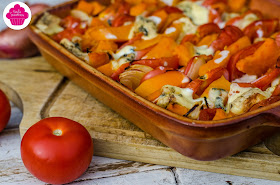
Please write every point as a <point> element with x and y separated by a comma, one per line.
<point>16,105</point>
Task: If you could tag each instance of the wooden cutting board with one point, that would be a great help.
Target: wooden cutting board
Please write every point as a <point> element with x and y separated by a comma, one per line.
<point>45,93</point>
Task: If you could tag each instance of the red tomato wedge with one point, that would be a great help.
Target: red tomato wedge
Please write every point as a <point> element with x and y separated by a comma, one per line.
<point>169,62</point>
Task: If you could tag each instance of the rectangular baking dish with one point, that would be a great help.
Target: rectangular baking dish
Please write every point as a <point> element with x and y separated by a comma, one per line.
<point>199,140</point>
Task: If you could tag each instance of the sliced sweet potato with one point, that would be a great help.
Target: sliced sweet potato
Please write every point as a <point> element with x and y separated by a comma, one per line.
<point>133,2</point>
<point>178,109</point>
<point>85,7</point>
<point>118,34</point>
<point>97,59</point>
<point>163,17</point>
<point>207,40</point>
<point>220,114</point>
<point>236,5</point>
<point>170,19</point>
<point>164,48</point>
<point>264,58</point>
<point>154,84</point>
<point>97,8</point>
<point>138,9</point>
<point>106,69</point>
<point>184,52</point>
<point>142,44</point>
<point>221,58</point>
<point>106,45</point>
<point>173,31</point>
<point>95,22</point>
<point>221,83</point>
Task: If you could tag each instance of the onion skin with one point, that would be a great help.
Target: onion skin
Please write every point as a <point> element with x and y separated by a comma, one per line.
<point>15,43</point>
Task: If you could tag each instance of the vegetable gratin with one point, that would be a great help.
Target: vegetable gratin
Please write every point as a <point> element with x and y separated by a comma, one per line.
<point>205,60</point>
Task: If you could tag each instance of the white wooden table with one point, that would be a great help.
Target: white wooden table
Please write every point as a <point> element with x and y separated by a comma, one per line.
<point>108,171</point>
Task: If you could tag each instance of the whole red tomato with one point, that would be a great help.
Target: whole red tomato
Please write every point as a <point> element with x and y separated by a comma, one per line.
<point>5,110</point>
<point>57,150</point>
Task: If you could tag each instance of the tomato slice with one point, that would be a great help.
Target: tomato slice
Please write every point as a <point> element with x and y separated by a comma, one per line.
<point>211,2</point>
<point>170,62</point>
<point>228,35</point>
<point>159,70</point>
<point>207,114</point>
<point>192,69</point>
<point>262,28</point>
<point>264,81</point>
<point>235,19</point>
<point>200,84</point>
<point>143,52</point>
<point>73,27</point>
<point>70,22</point>
<point>245,85</point>
<point>192,38</point>
<point>234,73</point>
<point>121,69</point>
<point>138,36</point>
<point>120,20</point>
<point>208,29</point>
<point>68,34</point>
<point>171,9</point>
<point>123,8</point>
<point>277,39</point>
<point>265,102</point>
<point>276,92</point>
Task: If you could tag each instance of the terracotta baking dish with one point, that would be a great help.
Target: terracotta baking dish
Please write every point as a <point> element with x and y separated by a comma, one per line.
<point>199,140</point>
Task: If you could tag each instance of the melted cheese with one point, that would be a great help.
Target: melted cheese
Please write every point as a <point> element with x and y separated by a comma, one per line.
<point>110,36</point>
<point>225,18</point>
<point>49,24</point>
<point>241,99</point>
<point>82,16</point>
<point>246,79</point>
<point>216,98</point>
<point>168,2</point>
<point>124,51</point>
<point>247,20</point>
<point>203,50</point>
<point>195,11</point>
<point>224,54</point>
<point>70,46</point>
<point>125,59</point>
<point>181,96</point>
<point>145,25</point>
<point>260,33</point>
<point>275,82</point>
<point>187,27</point>
<point>170,30</point>
<point>125,55</point>
<point>236,91</point>
<point>155,19</point>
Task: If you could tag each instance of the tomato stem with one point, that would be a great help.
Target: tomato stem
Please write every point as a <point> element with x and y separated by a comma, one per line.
<point>57,132</point>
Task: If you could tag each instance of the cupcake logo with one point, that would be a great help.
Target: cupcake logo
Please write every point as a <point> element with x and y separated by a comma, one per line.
<point>17,15</point>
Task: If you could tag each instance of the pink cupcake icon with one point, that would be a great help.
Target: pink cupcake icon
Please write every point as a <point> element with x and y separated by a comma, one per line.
<point>17,15</point>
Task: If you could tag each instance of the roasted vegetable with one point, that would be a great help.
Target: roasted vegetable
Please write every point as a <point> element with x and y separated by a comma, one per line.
<point>206,60</point>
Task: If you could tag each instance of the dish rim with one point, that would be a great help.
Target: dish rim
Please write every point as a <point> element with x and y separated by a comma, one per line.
<point>56,47</point>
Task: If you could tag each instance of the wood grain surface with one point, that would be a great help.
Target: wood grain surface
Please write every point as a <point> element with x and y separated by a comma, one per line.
<point>46,93</point>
